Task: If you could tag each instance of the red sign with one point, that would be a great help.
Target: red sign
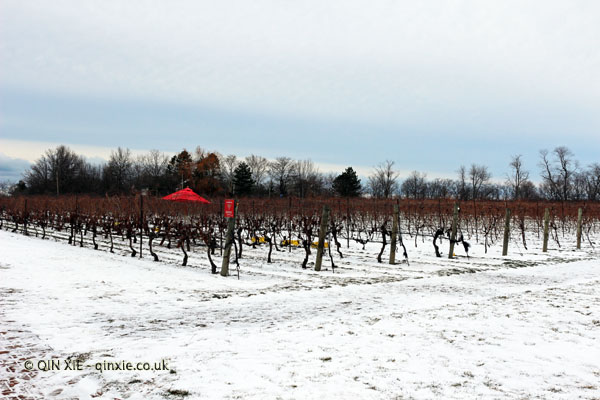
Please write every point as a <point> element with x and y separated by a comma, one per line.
<point>229,208</point>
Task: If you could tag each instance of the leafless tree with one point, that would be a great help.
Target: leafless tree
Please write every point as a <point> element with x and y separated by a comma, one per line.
<point>6,187</point>
<point>327,181</point>
<point>58,170</point>
<point>579,186</point>
<point>567,168</point>
<point>118,171</point>
<point>383,183</point>
<point>441,188</point>
<point>529,191</point>
<point>305,176</point>
<point>478,176</point>
<point>517,176</point>
<point>593,182</point>
<point>44,175</point>
<point>415,185</point>
<point>150,169</point>
<point>155,163</point>
<point>549,185</point>
<point>137,171</point>
<point>259,166</point>
<point>228,166</point>
<point>558,172</point>
<point>280,172</point>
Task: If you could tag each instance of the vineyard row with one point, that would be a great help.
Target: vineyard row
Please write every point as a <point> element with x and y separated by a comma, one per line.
<point>144,224</point>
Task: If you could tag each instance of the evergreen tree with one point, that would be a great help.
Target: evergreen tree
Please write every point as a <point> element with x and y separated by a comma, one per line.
<point>242,180</point>
<point>179,169</point>
<point>347,184</point>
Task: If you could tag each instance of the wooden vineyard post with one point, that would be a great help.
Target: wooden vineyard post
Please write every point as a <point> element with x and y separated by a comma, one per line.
<point>228,243</point>
<point>394,235</point>
<point>220,230</point>
<point>506,233</point>
<point>322,232</point>
<point>25,219</point>
<point>546,223</point>
<point>537,221</point>
<point>454,229</point>
<point>579,219</point>
<point>141,221</point>
<point>348,222</point>
<point>72,222</point>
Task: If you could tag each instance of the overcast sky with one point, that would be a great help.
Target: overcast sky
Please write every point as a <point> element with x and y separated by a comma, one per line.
<point>430,85</point>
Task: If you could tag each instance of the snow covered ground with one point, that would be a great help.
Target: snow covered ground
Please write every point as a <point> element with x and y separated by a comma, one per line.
<point>526,326</point>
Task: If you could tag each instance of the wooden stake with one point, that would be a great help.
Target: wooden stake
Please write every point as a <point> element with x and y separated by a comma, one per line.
<point>25,219</point>
<point>506,233</point>
<point>546,224</point>
<point>141,221</point>
<point>454,229</point>
<point>322,232</point>
<point>228,243</point>
<point>220,230</point>
<point>347,222</point>
<point>394,235</point>
<point>579,220</point>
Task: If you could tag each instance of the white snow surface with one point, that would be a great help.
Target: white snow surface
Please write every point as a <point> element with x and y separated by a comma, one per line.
<point>523,326</point>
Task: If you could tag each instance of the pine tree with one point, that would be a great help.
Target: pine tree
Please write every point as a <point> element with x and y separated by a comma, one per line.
<point>347,184</point>
<point>242,180</point>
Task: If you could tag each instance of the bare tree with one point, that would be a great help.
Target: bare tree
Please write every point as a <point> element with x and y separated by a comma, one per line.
<point>280,172</point>
<point>593,182</point>
<point>228,166</point>
<point>57,171</point>
<point>259,166</point>
<point>137,171</point>
<point>118,171</point>
<point>517,177</point>
<point>478,176</point>
<point>155,163</point>
<point>558,173</point>
<point>151,169</point>
<point>567,168</point>
<point>579,186</point>
<point>415,185</point>
<point>6,187</point>
<point>327,183</point>
<point>383,183</point>
<point>440,188</point>
<point>529,191</point>
<point>43,176</point>
<point>305,177</point>
<point>549,185</point>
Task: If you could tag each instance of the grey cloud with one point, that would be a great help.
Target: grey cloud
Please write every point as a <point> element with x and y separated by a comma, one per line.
<point>12,169</point>
<point>354,59</point>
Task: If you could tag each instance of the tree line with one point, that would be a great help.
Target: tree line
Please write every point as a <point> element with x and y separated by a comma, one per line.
<point>62,171</point>
<point>562,179</point>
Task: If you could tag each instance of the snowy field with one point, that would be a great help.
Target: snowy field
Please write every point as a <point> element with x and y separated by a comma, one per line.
<point>523,326</point>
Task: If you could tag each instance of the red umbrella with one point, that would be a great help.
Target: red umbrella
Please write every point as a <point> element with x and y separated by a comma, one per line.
<point>186,195</point>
